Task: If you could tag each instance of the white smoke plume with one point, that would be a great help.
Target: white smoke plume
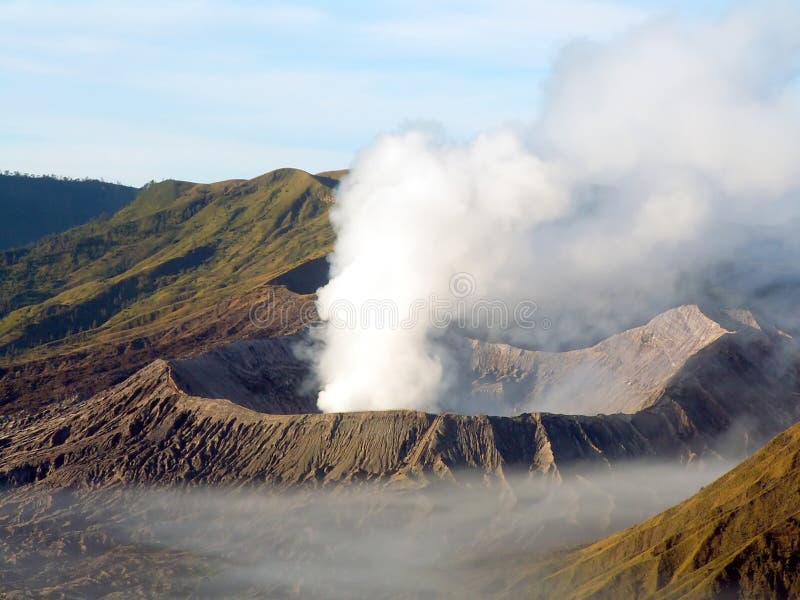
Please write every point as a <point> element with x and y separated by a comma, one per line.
<point>647,148</point>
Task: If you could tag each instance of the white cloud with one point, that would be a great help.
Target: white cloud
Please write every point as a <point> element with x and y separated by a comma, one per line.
<point>520,33</point>
<point>283,72</point>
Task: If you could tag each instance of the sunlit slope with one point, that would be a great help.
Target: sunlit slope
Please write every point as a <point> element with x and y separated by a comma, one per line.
<point>738,537</point>
<point>177,248</point>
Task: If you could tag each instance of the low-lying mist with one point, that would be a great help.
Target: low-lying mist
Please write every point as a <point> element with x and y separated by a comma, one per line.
<point>661,171</point>
<point>363,541</point>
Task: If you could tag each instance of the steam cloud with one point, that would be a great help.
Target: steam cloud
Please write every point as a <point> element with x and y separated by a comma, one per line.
<point>647,150</point>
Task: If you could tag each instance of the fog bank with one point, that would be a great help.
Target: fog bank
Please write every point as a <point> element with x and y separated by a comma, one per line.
<point>364,541</point>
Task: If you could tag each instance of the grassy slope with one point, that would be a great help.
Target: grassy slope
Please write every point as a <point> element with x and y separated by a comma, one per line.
<point>738,537</point>
<point>176,249</point>
<point>33,207</point>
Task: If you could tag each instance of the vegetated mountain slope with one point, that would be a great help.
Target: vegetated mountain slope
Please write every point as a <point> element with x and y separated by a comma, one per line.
<point>179,252</point>
<point>33,207</point>
<point>737,538</point>
<point>81,372</point>
<point>725,401</point>
<point>624,373</point>
<point>165,252</point>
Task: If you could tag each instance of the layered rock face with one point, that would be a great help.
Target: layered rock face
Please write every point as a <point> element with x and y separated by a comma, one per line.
<point>157,426</point>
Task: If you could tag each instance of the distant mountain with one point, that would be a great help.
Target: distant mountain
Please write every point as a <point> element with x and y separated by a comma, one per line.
<point>33,207</point>
<point>173,272</point>
<point>739,537</point>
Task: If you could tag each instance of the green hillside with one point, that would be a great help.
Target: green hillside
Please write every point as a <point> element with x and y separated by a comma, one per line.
<point>177,248</point>
<point>739,537</point>
<point>32,207</point>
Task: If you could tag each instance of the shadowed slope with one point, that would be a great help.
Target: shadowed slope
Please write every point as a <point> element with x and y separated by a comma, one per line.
<point>263,375</point>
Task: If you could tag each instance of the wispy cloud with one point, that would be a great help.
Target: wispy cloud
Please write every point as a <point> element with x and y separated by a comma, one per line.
<point>515,32</point>
<point>144,17</point>
<point>328,77</point>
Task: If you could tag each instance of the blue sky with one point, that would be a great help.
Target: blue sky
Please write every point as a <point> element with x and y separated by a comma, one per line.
<point>205,90</point>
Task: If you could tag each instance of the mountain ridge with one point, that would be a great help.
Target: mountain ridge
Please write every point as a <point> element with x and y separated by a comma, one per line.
<point>145,424</point>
